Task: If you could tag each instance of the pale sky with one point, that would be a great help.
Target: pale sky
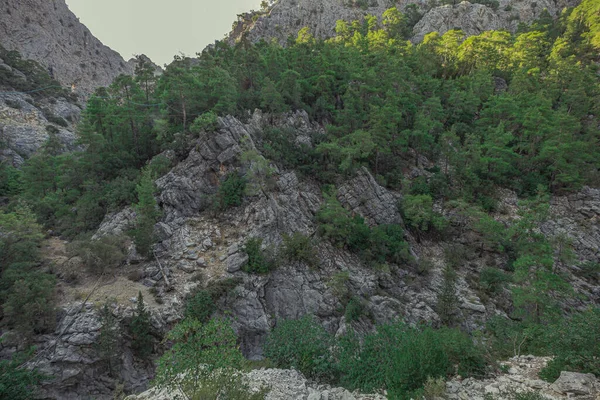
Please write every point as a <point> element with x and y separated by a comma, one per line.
<point>159,28</point>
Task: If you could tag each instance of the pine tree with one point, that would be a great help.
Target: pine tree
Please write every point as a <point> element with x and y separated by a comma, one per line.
<point>447,299</point>
<point>108,342</point>
<point>141,329</point>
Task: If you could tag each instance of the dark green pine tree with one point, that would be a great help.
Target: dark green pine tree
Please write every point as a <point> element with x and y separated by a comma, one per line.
<point>108,341</point>
<point>141,330</point>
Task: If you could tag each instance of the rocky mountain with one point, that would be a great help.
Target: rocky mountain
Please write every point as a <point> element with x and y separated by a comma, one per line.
<point>48,32</point>
<point>286,17</point>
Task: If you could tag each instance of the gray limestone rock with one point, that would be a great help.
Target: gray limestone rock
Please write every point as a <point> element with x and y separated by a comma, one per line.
<point>236,261</point>
<point>574,383</point>
<point>116,224</point>
<point>48,32</point>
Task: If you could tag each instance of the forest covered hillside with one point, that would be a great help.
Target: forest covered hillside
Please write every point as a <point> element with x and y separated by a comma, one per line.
<point>378,215</point>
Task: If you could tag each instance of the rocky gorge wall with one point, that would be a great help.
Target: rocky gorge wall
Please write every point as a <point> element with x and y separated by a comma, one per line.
<point>48,32</point>
<point>286,17</point>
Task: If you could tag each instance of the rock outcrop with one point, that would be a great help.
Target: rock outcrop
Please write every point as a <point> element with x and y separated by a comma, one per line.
<point>26,124</point>
<point>286,17</point>
<point>281,384</point>
<point>474,19</point>
<point>522,377</point>
<point>48,32</point>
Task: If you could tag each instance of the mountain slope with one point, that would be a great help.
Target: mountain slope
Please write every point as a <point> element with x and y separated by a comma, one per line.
<point>286,17</point>
<point>48,32</point>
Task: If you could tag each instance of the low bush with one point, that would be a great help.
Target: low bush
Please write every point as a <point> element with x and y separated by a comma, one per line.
<point>574,343</point>
<point>200,306</point>
<point>207,122</point>
<point>379,244</point>
<point>102,255</point>
<point>354,310</point>
<point>401,359</point>
<point>418,214</point>
<point>17,383</point>
<point>231,191</point>
<point>259,261</point>
<point>299,247</point>
<point>493,280</point>
<point>302,344</point>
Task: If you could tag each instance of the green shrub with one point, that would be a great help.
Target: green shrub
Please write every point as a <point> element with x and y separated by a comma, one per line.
<point>29,305</point>
<point>387,244</point>
<point>141,329</point>
<point>231,191</point>
<point>199,350</point>
<point>401,359</point>
<point>302,344</point>
<point>299,247</point>
<point>419,215</point>
<point>574,343</point>
<point>100,256</point>
<point>354,310</point>
<point>207,122</point>
<point>493,280</point>
<point>259,262</point>
<point>10,180</point>
<point>380,244</point>
<point>17,383</point>
<point>200,307</point>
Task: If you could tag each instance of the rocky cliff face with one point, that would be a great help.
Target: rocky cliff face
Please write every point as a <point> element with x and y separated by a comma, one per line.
<point>287,17</point>
<point>26,124</point>
<point>48,32</point>
<point>198,248</point>
<point>195,240</point>
<point>474,19</point>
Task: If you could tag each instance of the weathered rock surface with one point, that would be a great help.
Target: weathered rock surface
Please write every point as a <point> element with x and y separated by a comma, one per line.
<point>287,17</point>
<point>294,289</point>
<point>24,124</point>
<point>281,384</point>
<point>522,377</point>
<point>472,19</point>
<point>48,32</point>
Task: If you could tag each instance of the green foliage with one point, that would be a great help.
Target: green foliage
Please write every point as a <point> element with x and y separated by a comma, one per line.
<point>29,305</point>
<point>354,310</point>
<point>419,215</point>
<point>302,344</point>
<point>259,259</point>
<point>20,237</point>
<point>36,76</point>
<point>380,244</point>
<point>207,122</point>
<point>299,247</point>
<point>401,359</point>
<point>147,213</point>
<point>447,301</point>
<point>574,343</point>
<point>141,329</point>
<point>493,280</point>
<point>231,191</point>
<point>198,350</point>
<point>200,306</point>
<point>100,256</point>
<point>17,382</point>
<point>109,340</point>
<point>10,180</point>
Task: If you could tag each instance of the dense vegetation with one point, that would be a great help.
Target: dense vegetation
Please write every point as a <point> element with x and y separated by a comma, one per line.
<point>472,114</point>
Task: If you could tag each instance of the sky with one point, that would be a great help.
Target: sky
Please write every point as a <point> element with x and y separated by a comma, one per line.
<point>159,28</point>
